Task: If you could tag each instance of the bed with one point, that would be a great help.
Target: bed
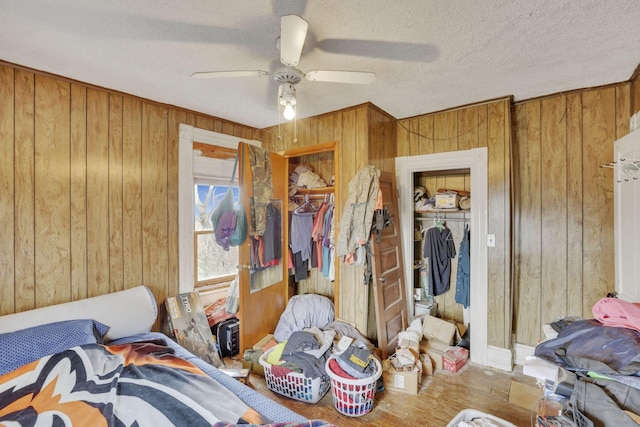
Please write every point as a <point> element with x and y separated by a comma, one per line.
<point>96,362</point>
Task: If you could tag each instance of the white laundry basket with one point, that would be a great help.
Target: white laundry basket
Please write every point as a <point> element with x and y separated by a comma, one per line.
<point>471,414</point>
<point>294,385</point>
<point>353,398</point>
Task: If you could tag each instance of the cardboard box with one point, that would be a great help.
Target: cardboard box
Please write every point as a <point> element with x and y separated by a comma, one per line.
<point>460,331</point>
<point>438,336</point>
<point>265,343</point>
<point>255,368</point>
<point>524,395</point>
<point>427,364</point>
<point>426,345</point>
<point>251,361</point>
<point>438,330</point>
<point>447,201</point>
<point>409,341</point>
<point>404,359</point>
<point>434,350</point>
<point>455,358</point>
<point>436,358</point>
<point>189,325</point>
<point>403,381</point>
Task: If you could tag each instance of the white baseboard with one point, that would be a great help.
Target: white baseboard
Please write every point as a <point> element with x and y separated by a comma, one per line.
<point>522,352</point>
<point>500,358</point>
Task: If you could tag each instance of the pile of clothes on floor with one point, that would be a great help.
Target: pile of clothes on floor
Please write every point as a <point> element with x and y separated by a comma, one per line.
<point>599,364</point>
<point>307,334</point>
<point>307,352</point>
<point>304,352</point>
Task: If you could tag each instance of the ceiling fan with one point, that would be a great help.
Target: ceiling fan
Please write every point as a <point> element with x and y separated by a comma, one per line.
<point>293,31</point>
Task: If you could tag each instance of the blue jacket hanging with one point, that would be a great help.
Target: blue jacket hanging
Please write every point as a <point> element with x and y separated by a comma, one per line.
<point>463,278</point>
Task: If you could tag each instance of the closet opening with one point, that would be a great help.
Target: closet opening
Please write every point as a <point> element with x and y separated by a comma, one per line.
<point>458,170</point>
<point>312,181</point>
<point>441,253</point>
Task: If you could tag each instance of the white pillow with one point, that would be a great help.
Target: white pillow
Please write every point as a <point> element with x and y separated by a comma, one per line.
<point>127,312</point>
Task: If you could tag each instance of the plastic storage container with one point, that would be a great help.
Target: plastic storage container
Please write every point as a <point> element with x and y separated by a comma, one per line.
<point>353,398</point>
<point>471,414</point>
<point>294,385</point>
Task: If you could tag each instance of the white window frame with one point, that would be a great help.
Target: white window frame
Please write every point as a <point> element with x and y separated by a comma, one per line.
<point>191,166</point>
<point>225,166</point>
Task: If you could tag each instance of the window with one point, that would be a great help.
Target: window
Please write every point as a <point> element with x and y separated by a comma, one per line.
<point>197,169</point>
<point>212,264</point>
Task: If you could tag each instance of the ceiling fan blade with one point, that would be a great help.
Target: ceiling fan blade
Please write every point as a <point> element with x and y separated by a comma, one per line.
<point>356,77</point>
<point>293,31</point>
<point>227,74</point>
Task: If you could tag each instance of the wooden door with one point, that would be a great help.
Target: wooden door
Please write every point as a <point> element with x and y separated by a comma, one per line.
<point>388,273</point>
<point>259,311</point>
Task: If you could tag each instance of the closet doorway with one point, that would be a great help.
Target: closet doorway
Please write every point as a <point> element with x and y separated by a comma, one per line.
<point>476,162</point>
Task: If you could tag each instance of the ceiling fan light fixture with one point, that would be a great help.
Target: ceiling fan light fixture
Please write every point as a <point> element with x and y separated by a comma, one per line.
<point>287,98</point>
<point>289,113</point>
<point>293,33</point>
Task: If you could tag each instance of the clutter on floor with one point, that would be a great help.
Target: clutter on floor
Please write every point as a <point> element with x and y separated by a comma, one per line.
<point>590,368</point>
<point>241,375</point>
<point>311,352</point>
<point>187,321</point>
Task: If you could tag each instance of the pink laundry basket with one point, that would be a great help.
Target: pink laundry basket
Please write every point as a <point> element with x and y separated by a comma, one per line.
<point>353,398</point>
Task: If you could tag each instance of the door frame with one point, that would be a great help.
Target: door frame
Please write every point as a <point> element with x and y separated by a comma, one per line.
<point>476,160</point>
<point>186,198</point>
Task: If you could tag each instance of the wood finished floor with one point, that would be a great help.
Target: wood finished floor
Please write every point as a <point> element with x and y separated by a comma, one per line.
<point>441,397</point>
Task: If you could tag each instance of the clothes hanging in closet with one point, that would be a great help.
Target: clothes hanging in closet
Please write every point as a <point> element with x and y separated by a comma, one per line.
<point>328,245</point>
<point>439,248</point>
<point>300,235</point>
<point>311,242</point>
<point>316,234</point>
<point>463,277</point>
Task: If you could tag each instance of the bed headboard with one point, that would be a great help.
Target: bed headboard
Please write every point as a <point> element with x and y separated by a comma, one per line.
<point>127,312</point>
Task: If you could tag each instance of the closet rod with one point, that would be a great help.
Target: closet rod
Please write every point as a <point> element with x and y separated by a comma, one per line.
<point>316,196</point>
<point>445,219</point>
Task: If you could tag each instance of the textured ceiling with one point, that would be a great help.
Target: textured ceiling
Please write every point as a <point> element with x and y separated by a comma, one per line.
<point>428,55</point>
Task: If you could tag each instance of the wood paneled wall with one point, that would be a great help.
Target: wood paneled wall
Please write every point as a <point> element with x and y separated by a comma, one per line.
<point>563,204</point>
<point>485,125</point>
<point>366,135</point>
<point>89,193</point>
<point>635,90</point>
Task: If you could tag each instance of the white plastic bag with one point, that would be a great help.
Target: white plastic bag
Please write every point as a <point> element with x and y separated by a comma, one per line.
<point>234,296</point>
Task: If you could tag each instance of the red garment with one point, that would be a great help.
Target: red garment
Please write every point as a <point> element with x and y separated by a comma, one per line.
<point>280,371</point>
<point>317,233</point>
<point>618,313</point>
<point>336,369</point>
